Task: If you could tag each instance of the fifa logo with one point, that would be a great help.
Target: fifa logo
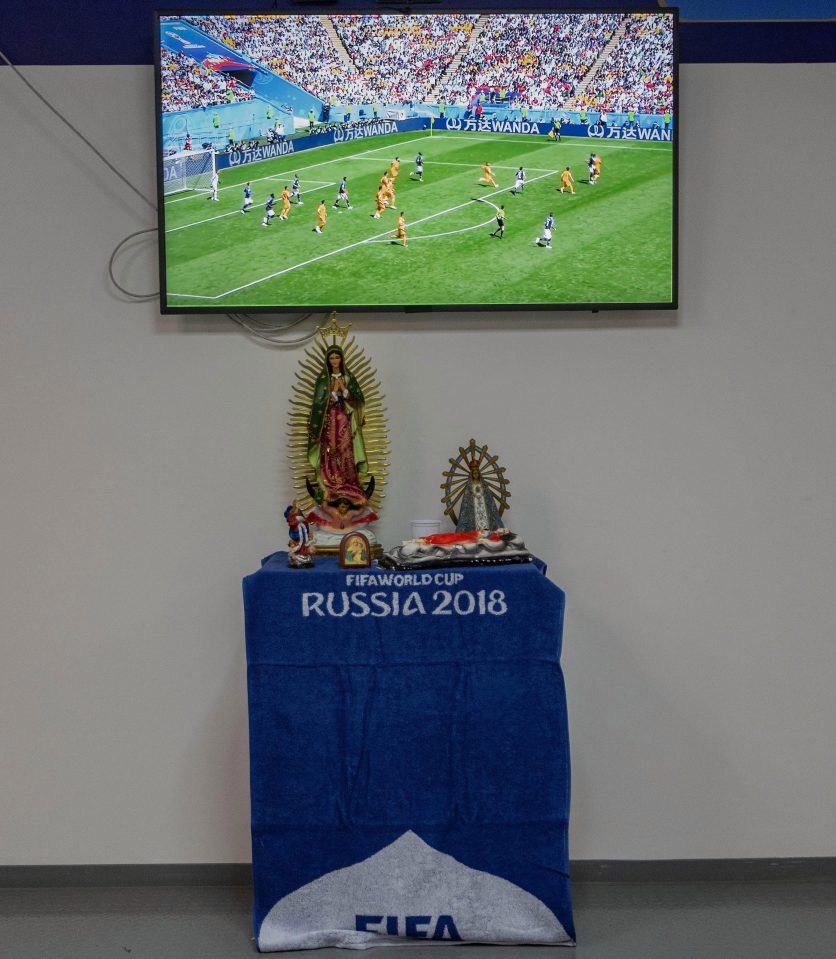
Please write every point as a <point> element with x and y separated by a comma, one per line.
<point>414,927</point>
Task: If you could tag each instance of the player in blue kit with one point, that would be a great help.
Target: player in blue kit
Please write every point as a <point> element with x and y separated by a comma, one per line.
<point>269,212</point>
<point>248,197</point>
<point>548,225</point>
<point>295,191</point>
<point>342,194</point>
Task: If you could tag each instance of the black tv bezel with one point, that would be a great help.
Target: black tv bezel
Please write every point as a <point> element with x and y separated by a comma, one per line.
<point>382,7</point>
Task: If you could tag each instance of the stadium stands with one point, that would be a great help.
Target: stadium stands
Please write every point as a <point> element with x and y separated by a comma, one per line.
<point>539,57</point>
<point>544,62</point>
<point>409,53</point>
<point>187,85</point>
<point>638,73</point>
<point>294,47</point>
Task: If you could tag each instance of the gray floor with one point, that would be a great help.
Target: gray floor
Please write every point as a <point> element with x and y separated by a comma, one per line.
<point>677,920</point>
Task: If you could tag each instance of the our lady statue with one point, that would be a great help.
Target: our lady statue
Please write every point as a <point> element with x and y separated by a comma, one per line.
<point>476,489</point>
<point>336,450</point>
<point>338,438</point>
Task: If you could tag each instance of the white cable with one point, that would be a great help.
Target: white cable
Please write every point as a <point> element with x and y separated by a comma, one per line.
<point>109,165</point>
<point>113,255</point>
<point>77,132</point>
<point>268,331</point>
<point>269,334</point>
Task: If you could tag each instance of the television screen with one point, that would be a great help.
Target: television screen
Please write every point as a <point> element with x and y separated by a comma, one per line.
<point>417,161</point>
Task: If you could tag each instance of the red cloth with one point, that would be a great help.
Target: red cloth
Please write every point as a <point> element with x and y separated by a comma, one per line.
<point>336,459</point>
<point>450,539</point>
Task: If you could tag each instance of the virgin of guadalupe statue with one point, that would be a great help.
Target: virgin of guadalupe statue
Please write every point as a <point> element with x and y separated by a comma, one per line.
<point>336,450</point>
<point>338,438</point>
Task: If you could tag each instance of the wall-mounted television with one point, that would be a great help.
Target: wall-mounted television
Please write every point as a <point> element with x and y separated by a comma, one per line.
<point>417,161</point>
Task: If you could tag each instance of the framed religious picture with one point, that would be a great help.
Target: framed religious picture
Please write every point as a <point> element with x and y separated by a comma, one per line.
<point>355,550</point>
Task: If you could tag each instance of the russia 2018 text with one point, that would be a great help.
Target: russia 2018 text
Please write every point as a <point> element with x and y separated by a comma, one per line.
<point>441,602</point>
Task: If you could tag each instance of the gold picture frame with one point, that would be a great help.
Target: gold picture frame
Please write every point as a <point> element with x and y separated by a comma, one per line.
<point>355,551</point>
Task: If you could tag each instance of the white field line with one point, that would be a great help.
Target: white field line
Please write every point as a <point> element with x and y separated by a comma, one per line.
<point>472,166</point>
<point>333,183</point>
<point>435,236</point>
<point>209,219</point>
<point>365,155</point>
<point>303,169</point>
<point>496,138</point>
<point>220,216</point>
<point>350,246</point>
<point>323,185</point>
<point>574,141</point>
<point>320,184</point>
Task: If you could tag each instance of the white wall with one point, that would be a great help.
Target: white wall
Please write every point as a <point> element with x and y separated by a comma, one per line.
<point>676,472</point>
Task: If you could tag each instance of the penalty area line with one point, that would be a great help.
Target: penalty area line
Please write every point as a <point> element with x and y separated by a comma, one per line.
<point>220,216</point>
<point>345,249</point>
<point>435,236</point>
<point>301,169</point>
<point>570,141</point>
<point>209,219</point>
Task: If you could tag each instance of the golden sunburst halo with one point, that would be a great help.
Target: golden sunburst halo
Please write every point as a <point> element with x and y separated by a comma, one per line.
<point>375,427</point>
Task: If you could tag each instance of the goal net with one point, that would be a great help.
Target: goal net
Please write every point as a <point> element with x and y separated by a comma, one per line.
<point>188,170</point>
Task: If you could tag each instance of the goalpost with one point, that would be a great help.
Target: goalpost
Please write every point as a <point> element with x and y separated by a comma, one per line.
<point>188,170</point>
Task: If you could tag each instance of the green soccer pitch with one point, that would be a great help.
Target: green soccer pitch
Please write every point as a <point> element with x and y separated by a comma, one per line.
<point>613,242</point>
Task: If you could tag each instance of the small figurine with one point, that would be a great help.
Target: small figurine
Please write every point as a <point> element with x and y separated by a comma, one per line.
<point>476,489</point>
<point>300,547</point>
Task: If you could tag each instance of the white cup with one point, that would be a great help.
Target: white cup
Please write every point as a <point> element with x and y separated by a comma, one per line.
<point>425,527</point>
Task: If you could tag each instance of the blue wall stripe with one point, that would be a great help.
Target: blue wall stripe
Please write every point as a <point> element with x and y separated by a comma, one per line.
<point>92,33</point>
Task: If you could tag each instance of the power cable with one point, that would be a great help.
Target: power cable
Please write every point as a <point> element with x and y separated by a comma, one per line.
<point>78,133</point>
<point>114,254</point>
<point>269,332</point>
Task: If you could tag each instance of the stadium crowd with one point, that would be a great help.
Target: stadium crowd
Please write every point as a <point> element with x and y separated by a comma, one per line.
<point>638,73</point>
<point>187,85</point>
<point>409,53</point>
<point>534,61</point>
<point>294,47</point>
<point>540,58</point>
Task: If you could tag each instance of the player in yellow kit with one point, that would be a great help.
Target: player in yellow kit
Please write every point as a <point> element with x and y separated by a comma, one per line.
<point>388,191</point>
<point>321,217</point>
<point>394,169</point>
<point>597,165</point>
<point>567,181</point>
<point>487,175</point>
<point>380,203</point>
<point>400,230</point>
<point>284,196</point>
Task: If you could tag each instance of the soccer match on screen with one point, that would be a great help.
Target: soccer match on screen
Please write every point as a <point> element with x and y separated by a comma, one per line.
<point>417,161</point>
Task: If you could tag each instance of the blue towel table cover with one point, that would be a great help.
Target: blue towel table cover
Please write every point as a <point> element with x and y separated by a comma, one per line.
<point>409,756</point>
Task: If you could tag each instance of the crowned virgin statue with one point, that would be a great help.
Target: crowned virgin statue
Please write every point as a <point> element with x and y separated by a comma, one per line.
<point>338,438</point>
<point>476,489</point>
